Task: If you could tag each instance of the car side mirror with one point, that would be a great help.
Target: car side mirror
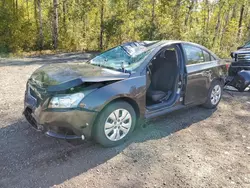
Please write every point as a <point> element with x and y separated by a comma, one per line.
<point>232,55</point>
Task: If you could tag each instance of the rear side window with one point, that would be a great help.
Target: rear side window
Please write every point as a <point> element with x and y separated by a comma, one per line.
<point>197,55</point>
<point>212,58</point>
<point>194,54</point>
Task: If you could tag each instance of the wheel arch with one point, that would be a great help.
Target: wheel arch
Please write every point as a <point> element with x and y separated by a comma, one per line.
<point>130,101</point>
<point>208,104</point>
<point>216,79</point>
<point>220,79</point>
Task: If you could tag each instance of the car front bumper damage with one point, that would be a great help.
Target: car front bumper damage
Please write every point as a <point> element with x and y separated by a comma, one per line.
<point>59,123</point>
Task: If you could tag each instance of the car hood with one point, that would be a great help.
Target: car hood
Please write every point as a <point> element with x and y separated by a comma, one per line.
<point>242,51</point>
<point>66,75</point>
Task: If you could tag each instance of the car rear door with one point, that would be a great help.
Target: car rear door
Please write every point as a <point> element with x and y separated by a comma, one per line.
<point>199,69</point>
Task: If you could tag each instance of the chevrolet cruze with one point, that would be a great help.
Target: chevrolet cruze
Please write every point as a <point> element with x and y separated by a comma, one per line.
<point>106,97</point>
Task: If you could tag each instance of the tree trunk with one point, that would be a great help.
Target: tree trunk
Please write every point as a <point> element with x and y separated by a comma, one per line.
<point>134,26</point>
<point>240,21</point>
<point>205,21</point>
<point>208,16</point>
<point>234,10</point>
<point>13,6</point>
<point>217,27</point>
<point>248,28</point>
<point>64,15</point>
<point>55,24</point>
<point>190,8</point>
<point>86,23</point>
<point>224,29</point>
<point>101,26</point>
<point>16,6</point>
<point>177,25</point>
<point>27,6</point>
<point>41,38</point>
<point>152,21</point>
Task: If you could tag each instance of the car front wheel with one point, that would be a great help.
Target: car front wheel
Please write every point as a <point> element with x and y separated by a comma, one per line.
<point>115,124</point>
<point>214,95</point>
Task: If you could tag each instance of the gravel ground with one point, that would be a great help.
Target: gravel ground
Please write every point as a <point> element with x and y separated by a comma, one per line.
<point>189,148</point>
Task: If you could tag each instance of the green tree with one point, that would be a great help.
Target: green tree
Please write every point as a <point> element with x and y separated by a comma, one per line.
<point>27,25</point>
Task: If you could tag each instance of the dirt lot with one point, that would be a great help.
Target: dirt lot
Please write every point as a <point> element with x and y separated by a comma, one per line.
<point>189,148</point>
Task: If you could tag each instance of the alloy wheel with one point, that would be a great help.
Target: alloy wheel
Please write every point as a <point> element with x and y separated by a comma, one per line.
<point>118,124</point>
<point>215,94</point>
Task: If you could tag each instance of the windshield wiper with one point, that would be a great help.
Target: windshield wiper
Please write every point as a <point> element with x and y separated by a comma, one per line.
<point>104,62</point>
<point>126,51</point>
<point>122,69</point>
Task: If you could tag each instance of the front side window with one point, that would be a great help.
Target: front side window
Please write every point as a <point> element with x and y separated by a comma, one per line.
<point>194,54</point>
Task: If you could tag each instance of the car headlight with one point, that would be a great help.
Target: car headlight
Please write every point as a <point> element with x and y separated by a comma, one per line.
<point>66,101</point>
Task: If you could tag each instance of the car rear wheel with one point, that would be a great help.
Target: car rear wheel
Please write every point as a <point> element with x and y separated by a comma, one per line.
<point>115,124</point>
<point>214,95</point>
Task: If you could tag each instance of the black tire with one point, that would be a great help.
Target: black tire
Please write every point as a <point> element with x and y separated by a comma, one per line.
<point>99,133</point>
<point>208,104</point>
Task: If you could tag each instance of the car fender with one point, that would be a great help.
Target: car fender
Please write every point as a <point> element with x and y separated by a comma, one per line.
<point>218,73</point>
<point>133,88</point>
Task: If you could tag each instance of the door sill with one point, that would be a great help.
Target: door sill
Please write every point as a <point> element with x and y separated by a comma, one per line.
<point>167,104</point>
<point>163,108</point>
<point>158,112</point>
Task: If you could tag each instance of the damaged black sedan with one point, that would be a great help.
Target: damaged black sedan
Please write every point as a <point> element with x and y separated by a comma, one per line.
<point>107,96</point>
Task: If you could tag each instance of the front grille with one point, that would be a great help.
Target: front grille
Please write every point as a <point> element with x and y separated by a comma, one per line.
<point>243,57</point>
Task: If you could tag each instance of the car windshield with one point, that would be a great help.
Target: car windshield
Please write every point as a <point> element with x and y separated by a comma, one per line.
<point>125,57</point>
<point>247,45</point>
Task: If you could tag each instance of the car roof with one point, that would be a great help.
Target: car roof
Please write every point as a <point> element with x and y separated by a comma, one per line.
<point>169,42</point>
<point>166,42</point>
<point>158,43</point>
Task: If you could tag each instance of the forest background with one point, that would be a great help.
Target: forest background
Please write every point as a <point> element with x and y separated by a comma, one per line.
<point>96,25</point>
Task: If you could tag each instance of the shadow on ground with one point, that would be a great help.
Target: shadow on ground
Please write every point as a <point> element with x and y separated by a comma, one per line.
<point>30,159</point>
